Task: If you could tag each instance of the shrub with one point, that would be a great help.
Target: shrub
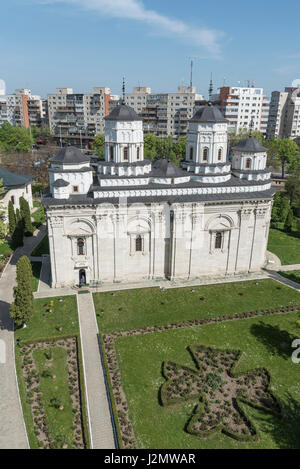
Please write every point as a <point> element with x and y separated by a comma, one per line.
<point>22,308</point>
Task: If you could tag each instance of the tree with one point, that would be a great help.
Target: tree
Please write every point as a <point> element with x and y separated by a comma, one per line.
<point>292,187</point>
<point>98,146</point>
<point>21,309</point>
<point>15,138</point>
<point>11,218</point>
<point>287,151</point>
<point>152,145</point>
<point>288,226</point>
<point>180,148</point>
<point>26,217</point>
<point>41,133</point>
<point>281,207</point>
<point>2,224</point>
<point>18,234</point>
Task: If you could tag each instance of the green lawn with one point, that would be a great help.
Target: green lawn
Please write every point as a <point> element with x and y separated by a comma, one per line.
<point>38,215</point>
<point>152,306</point>
<point>60,423</point>
<point>5,248</point>
<point>42,248</point>
<point>36,271</point>
<point>261,339</point>
<point>285,245</point>
<point>293,275</point>
<point>43,326</point>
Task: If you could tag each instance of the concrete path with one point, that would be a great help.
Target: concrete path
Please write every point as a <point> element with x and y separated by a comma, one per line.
<point>12,427</point>
<point>98,409</point>
<point>279,278</point>
<point>286,268</point>
<point>45,276</point>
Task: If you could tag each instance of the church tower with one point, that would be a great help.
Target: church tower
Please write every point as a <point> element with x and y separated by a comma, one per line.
<point>206,150</point>
<point>249,159</point>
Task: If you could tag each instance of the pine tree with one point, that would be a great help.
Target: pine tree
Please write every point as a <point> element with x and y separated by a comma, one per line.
<point>288,226</point>
<point>17,237</point>
<point>22,308</point>
<point>18,216</point>
<point>11,218</point>
<point>26,217</point>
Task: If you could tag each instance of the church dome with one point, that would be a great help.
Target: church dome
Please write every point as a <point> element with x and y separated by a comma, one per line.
<point>123,113</point>
<point>69,155</point>
<point>250,144</point>
<point>208,114</point>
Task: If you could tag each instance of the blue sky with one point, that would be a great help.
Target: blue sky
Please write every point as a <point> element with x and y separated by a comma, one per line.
<point>46,44</point>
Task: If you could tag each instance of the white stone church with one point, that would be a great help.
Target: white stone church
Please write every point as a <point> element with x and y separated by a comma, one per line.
<point>127,219</point>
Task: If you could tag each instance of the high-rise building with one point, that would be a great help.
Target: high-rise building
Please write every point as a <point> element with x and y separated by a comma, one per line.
<point>278,106</point>
<point>138,99</point>
<point>244,107</point>
<point>284,118</point>
<point>21,109</point>
<point>165,114</point>
<point>78,117</point>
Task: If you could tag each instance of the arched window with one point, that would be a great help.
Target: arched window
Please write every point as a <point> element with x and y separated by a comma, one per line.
<point>220,154</point>
<point>138,153</point>
<point>111,153</point>
<point>125,154</point>
<point>80,247</point>
<point>191,153</point>
<point>138,243</point>
<point>218,240</point>
<point>248,163</point>
<point>205,154</point>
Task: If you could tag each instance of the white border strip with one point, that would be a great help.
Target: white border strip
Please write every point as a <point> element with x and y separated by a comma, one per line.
<point>84,376</point>
<point>2,273</point>
<point>17,384</point>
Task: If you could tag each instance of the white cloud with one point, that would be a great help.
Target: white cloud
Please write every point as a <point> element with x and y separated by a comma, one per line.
<point>135,9</point>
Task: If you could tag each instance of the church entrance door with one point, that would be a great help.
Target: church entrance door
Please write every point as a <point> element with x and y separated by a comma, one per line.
<point>82,277</point>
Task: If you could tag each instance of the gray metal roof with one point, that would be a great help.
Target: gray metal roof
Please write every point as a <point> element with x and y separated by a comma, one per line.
<point>48,201</point>
<point>167,169</point>
<point>69,155</point>
<point>250,144</point>
<point>13,179</point>
<point>208,114</point>
<point>60,183</point>
<point>123,113</point>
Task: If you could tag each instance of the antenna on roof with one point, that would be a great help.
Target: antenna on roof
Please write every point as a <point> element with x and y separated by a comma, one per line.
<point>251,127</point>
<point>211,88</point>
<point>123,91</point>
<point>191,76</point>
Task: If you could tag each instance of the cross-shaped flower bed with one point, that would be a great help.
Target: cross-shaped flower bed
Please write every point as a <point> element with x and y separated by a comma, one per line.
<point>219,391</point>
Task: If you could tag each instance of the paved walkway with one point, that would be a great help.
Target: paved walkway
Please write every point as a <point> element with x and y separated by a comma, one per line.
<point>12,427</point>
<point>52,292</point>
<point>279,278</point>
<point>45,276</point>
<point>286,268</point>
<point>99,415</point>
<point>274,263</point>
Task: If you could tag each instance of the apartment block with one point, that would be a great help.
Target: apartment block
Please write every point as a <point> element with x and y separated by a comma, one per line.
<point>277,114</point>
<point>243,107</point>
<point>78,117</point>
<point>21,109</point>
<point>165,114</point>
<point>138,99</point>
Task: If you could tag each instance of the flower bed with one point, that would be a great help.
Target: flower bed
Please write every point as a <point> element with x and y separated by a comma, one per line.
<point>55,400</point>
<point>219,391</point>
<point>120,406</point>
